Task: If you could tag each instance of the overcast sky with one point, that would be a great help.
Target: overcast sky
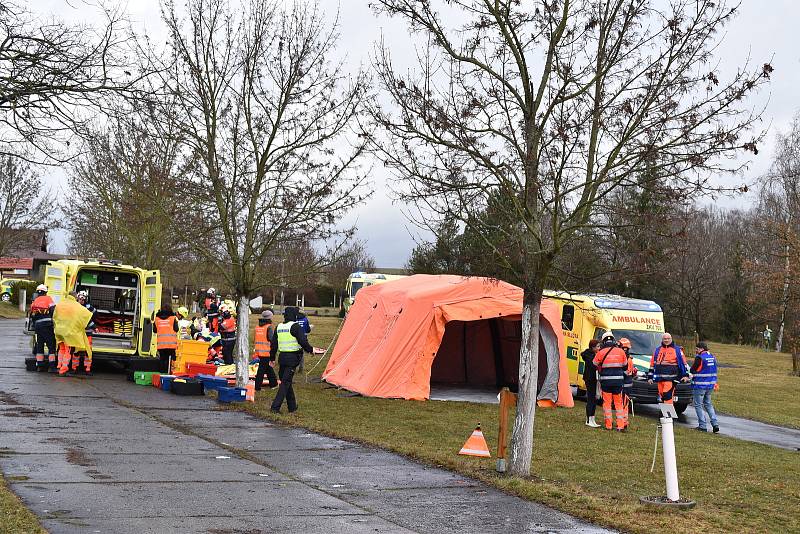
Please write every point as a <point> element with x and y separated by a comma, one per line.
<point>761,33</point>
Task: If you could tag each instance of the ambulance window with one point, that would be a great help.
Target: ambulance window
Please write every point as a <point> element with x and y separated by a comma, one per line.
<point>567,317</point>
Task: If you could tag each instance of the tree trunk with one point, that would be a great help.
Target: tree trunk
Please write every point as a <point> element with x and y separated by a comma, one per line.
<point>522,435</point>
<point>242,350</point>
<point>785,297</point>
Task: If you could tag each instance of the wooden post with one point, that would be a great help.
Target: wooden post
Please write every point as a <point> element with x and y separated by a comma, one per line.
<point>507,400</point>
<point>796,363</point>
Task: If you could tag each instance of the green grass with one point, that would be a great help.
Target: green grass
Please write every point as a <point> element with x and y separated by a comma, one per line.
<point>16,519</point>
<point>9,311</point>
<point>759,388</point>
<point>592,474</point>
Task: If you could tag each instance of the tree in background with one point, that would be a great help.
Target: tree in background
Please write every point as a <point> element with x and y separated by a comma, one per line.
<point>128,192</point>
<point>549,108</point>
<point>52,75</point>
<point>352,258</point>
<point>24,203</point>
<point>268,113</point>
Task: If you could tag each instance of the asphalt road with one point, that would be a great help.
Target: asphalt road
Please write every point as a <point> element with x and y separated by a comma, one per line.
<point>104,455</point>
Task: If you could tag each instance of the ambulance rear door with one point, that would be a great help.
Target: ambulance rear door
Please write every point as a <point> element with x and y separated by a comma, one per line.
<point>150,302</point>
<point>55,278</point>
<point>572,324</point>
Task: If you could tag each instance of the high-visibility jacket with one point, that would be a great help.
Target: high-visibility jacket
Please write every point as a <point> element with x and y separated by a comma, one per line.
<point>630,372</point>
<point>611,363</point>
<point>667,364</point>
<point>286,341</point>
<point>706,375</point>
<point>42,310</point>
<point>228,329</point>
<point>185,328</point>
<point>166,335</point>
<point>262,342</point>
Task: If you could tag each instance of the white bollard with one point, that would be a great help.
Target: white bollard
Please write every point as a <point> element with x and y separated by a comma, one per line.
<point>670,463</point>
<point>23,295</point>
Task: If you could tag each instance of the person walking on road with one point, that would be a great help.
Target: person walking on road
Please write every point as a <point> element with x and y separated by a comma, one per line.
<point>590,379</point>
<point>704,382</point>
<point>262,351</point>
<point>289,339</point>
<point>41,316</point>
<point>611,362</point>
<point>667,367</point>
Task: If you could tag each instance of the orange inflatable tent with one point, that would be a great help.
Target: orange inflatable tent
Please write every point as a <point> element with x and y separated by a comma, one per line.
<point>402,335</point>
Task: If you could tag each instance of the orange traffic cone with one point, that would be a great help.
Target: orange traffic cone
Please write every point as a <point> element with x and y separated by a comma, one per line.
<point>250,393</point>
<point>476,445</point>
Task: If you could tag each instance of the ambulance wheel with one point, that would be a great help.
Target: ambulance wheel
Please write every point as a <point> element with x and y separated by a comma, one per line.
<point>681,407</point>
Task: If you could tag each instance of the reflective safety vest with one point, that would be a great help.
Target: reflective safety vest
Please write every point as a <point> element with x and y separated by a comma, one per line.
<point>228,329</point>
<point>262,342</point>
<point>706,375</point>
<point>185,328</point>
<point>42,310</point>
<point>611,363</point>
<point>630,372</point>
<point>667,364</point>
<point>286,341</point>
<point>166,337</point>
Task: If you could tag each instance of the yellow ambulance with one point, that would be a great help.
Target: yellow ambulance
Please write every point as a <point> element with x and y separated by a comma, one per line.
<point>587,316</point>
<point>126,299</point>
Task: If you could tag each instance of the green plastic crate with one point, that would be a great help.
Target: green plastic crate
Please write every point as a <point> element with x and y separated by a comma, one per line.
<point>144,378</point>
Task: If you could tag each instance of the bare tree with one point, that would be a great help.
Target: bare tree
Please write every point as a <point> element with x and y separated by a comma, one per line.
<point>353,257</point>
<point>550,106</point>
<point>781,198</point>
<point>24,203</point>
<point>52,75</point>
<point>268,113</point>
<point>127,192</point>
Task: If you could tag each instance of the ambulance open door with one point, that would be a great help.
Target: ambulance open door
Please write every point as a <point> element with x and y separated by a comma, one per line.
<point>55,278</point>
<point>150,302</point>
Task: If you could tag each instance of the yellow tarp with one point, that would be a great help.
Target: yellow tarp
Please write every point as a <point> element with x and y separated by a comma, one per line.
<point>70,320</point>
<point>226,370</point>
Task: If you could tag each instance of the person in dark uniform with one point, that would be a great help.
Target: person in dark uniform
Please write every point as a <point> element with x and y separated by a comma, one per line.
<point>288,339</point>
<point>590,378</point>
<point>41,316</point>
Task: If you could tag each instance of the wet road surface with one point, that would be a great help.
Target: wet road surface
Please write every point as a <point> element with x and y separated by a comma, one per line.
<point>104,455</point>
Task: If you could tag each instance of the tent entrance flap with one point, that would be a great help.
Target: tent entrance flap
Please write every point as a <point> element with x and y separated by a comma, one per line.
<point>483,354</point>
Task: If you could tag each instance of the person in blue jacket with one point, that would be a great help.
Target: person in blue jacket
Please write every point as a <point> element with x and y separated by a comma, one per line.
<point>704,381</point>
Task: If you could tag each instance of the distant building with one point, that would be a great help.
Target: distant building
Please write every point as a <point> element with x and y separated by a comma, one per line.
<point>28,252</point>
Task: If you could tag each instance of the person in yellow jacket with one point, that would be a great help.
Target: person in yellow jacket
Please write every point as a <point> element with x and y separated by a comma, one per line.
<point>289,339</point>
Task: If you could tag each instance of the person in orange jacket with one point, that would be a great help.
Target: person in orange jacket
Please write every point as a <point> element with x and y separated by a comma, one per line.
<point>611,362</point>
<point>262,351</point>
<point>227,330</point>
<point>41,316</point>
<point>667,367</point>
<point>165,327</point>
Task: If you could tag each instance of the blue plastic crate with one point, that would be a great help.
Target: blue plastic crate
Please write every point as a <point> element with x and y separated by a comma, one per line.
<point>166,382</point>
<point>213,382</point>
<point>227,394</point>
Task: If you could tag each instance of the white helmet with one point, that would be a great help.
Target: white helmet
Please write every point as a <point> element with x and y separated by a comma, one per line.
<point>212,291</point>
<point>608,335</point>
<point>83,294</point>
<point>41,288</point>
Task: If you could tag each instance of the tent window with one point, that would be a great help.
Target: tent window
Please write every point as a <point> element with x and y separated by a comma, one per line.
<point>567,317</point>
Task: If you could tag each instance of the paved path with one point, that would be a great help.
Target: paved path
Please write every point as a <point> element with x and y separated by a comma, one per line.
<point>104,455</point>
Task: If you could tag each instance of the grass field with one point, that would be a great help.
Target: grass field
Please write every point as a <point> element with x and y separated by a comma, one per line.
<point>593,474</point>
<point>15,517</point>
<point>760,387</point>
<point>9,311</point>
